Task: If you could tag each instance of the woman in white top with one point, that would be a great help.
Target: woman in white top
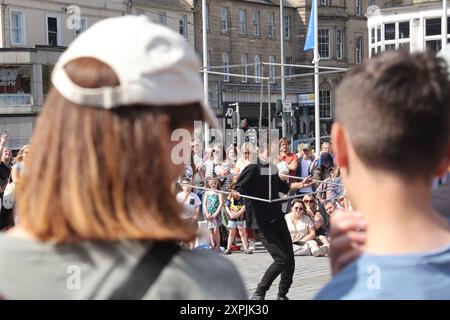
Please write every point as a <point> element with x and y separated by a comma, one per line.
<point>302,231</point>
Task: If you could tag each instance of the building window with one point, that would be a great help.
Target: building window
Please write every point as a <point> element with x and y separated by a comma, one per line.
<point>139,12</point>
<point>325,104</point>
<point>371,3</point>
<point>324,43</point>
<point>434,45</point>
<point>271,26</point>
<point>378,33</point>
<point>243,21</point>
<point>17,27</point>
<point>207,18</point>
<point>358,7</point>
<point>358,49</point>
<point>163,18</point>
<point>183,26</point>
<point>257,68</point>
<point>403,30</point>
<point>53,35</point>
<point>433,27</point>
<point>404,46</point>
<point>340,44</point>
<point>272,72</point>
<point>244,63</point>
<point>287,27</point>
<point>224,17</point>
<point>83,26</point>
<point>256,21</point>
<point>226,66</point>
<point>208,60</point>
<point>288,70</point>
<point>389,31</point>
<point>433,31</point>
<point>324,3</point>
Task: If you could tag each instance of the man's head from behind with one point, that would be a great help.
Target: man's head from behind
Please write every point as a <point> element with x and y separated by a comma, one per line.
<point>393,115</point>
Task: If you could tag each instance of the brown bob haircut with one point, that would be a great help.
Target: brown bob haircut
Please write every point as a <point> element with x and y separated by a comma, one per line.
<point>97,174</point>
<point>396,110</point>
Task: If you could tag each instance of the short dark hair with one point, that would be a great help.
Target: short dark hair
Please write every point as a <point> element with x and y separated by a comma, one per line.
<point>392,106</point>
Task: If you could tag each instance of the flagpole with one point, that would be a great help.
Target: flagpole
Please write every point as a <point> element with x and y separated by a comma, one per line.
<point>205,67</point>
<point>316,76</point>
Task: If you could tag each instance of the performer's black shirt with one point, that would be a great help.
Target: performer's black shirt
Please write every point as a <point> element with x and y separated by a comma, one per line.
<point>254,181</point>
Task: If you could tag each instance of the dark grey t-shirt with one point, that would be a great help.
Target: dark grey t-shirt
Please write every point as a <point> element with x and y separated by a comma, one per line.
<point>93,270</point>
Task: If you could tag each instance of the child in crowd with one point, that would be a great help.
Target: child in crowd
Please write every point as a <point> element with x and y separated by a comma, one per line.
<point>235,209</point>
<point>212,206</point>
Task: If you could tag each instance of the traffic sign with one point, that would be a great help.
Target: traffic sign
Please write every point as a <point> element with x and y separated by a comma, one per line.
<point>287,106</point>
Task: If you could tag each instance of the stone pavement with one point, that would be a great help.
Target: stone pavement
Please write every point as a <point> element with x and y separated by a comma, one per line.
<point>311,273</point>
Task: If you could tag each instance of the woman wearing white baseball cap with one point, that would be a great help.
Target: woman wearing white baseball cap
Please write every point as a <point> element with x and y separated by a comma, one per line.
<point>98,215</point>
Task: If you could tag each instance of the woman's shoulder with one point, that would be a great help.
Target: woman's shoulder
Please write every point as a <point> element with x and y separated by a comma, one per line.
<point>190,274</point>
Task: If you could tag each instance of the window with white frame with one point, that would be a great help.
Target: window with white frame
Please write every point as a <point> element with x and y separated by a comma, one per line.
<point>433,40</point>
<point>257,61</point>
<point>324,3</point>
<point>271,26</point>
<point>325,104</point>
<point>226,66</point>
<point>287,27</point>
<point>371,3</point>
<point>324,43</point>
<point>375,40</point>
<point>339,44</point>
<point>183,26</point>
<point>53,31</point>
<point>358,49</point>
<point>244,63</point>
<point>288,70</point>
<point>163,18</point>
<point>256,23</point>
<point>358,7</point>
<point>83,26</point>
<point>17,27</point>
<point>272,72</point>
<point>224,19</point>
<point>242,21</point>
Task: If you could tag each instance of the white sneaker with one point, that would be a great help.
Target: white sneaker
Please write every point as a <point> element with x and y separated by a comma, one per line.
<point>251,245</point>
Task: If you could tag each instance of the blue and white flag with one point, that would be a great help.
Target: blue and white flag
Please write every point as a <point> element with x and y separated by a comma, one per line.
<point>310,43</point>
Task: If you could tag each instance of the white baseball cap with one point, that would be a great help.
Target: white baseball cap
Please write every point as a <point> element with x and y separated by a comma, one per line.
<point>155,66</point>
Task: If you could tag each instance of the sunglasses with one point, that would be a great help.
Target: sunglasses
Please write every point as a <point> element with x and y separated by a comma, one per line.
<point>308,201</point>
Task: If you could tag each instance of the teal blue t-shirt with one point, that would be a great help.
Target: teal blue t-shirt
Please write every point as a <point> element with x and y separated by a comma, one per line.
<point>422,276</point>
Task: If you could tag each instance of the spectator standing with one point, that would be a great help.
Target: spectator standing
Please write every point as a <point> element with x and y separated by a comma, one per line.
<point>82,211</point>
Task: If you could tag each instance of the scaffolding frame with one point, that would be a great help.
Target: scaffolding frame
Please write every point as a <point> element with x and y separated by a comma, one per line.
<point>331,70</point>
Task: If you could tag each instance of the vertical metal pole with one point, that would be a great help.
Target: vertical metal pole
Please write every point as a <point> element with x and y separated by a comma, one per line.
<point>316,76</point>
<point>269,143</point>
<point>283,90</point>
<point>205,67</point>
<point>238,116</point>
<point>444,23</point>
<point>261,100</point>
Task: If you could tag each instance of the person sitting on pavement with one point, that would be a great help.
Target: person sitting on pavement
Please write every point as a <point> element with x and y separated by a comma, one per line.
<point>302,231</point>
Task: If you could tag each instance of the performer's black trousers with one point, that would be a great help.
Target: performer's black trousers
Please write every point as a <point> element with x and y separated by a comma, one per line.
<point>276,239</point>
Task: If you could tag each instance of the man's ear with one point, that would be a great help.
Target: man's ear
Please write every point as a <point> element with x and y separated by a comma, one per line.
<point>444,165</point>
<point>339,145</point>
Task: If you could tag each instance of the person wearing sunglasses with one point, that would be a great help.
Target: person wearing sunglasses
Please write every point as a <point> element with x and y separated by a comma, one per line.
<point>302,231</point>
